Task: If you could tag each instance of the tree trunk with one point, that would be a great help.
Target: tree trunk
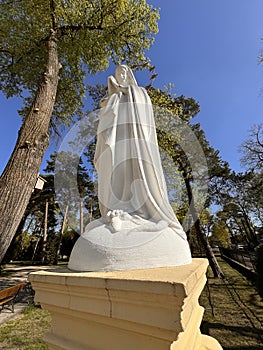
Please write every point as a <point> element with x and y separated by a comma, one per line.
<point>37,233</point>
<point>91,212</point>
<point>62,230</point>
<point>251,230</point>
<point>20,175</point>
<point>26,229</point>
<point>43,257</point>
<point>80,216</point>
<point>200,231</point>
<point>10,251</point>
<point>233,238</point>
<point>208,250</point>
<point>35,249</point>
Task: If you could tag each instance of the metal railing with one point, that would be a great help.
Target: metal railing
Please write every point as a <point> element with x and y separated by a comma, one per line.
<point>246,258</point>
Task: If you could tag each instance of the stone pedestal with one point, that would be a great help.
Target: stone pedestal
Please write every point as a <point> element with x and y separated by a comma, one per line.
<point>155,309</point>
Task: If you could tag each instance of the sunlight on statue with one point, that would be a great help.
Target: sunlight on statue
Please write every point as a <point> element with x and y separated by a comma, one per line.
<point>138,227</point>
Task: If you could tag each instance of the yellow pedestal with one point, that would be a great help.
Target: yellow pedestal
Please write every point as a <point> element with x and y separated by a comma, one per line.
<point>149,309</point>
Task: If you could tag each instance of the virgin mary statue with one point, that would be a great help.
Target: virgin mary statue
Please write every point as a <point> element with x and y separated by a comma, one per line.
<point>138,227</point>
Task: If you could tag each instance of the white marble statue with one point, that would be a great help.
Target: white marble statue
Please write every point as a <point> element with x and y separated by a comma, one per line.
<point>138,227</point>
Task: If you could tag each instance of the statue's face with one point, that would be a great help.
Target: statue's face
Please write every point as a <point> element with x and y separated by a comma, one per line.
<point>121,75</point>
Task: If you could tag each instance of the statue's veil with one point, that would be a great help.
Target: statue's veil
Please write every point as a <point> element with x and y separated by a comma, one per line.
<point>131,77</point>
<point>113,83</point>
<point>135,211</point>
<point>127,148</point>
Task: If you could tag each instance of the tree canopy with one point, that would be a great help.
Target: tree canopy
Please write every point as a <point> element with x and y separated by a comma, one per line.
<point>47,48</point>
<point>252,149</point>
<point>89,35</point>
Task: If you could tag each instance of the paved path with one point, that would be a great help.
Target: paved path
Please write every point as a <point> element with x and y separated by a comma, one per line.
<point>12,275</point>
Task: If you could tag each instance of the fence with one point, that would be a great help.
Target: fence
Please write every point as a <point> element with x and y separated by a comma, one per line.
<point>243,260</point>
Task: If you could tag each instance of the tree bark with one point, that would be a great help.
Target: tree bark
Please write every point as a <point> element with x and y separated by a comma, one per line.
<point>20,175</point>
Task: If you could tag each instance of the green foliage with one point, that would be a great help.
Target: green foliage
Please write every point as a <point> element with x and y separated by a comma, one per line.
<point>242,206</point>
<point>27,242</point>
<point>186,143</point>
<point>164,100</point>
<point>73,183</point>
<point>181,106</point>
<point>220,234</point>
<point>89,35</point>
<point>21,246</point>
<point>97,92</point>
<point>68,240</point>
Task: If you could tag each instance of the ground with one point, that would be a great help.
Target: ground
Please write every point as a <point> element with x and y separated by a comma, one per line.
<point>233,313</point>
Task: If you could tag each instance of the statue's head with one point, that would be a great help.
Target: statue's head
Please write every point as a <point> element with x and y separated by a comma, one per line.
<point>124,75</point>
<point>121,74</point>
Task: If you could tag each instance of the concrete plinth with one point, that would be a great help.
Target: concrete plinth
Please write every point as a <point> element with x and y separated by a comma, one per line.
<point>149,309</point>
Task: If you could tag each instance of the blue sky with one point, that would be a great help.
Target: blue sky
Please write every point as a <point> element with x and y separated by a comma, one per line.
<point>209,50</point>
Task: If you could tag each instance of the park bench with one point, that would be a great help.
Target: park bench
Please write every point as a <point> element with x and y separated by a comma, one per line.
<point>8,295</point>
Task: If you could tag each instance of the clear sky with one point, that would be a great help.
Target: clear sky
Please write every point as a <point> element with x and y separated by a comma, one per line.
<point>209,50</point>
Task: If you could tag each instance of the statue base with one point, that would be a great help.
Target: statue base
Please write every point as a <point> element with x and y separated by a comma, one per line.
<point>147,309</point>
<point>100,249</point>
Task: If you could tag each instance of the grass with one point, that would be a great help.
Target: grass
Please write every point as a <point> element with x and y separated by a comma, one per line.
<point>233,311</point>
<point>233,315</point>
<point>5,273</point>
<point>26,331</point>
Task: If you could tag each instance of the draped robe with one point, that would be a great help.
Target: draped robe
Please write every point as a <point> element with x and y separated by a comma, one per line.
<point>127,160</point>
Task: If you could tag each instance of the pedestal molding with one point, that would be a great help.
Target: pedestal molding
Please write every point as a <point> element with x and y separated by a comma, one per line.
<point>155,309</point>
